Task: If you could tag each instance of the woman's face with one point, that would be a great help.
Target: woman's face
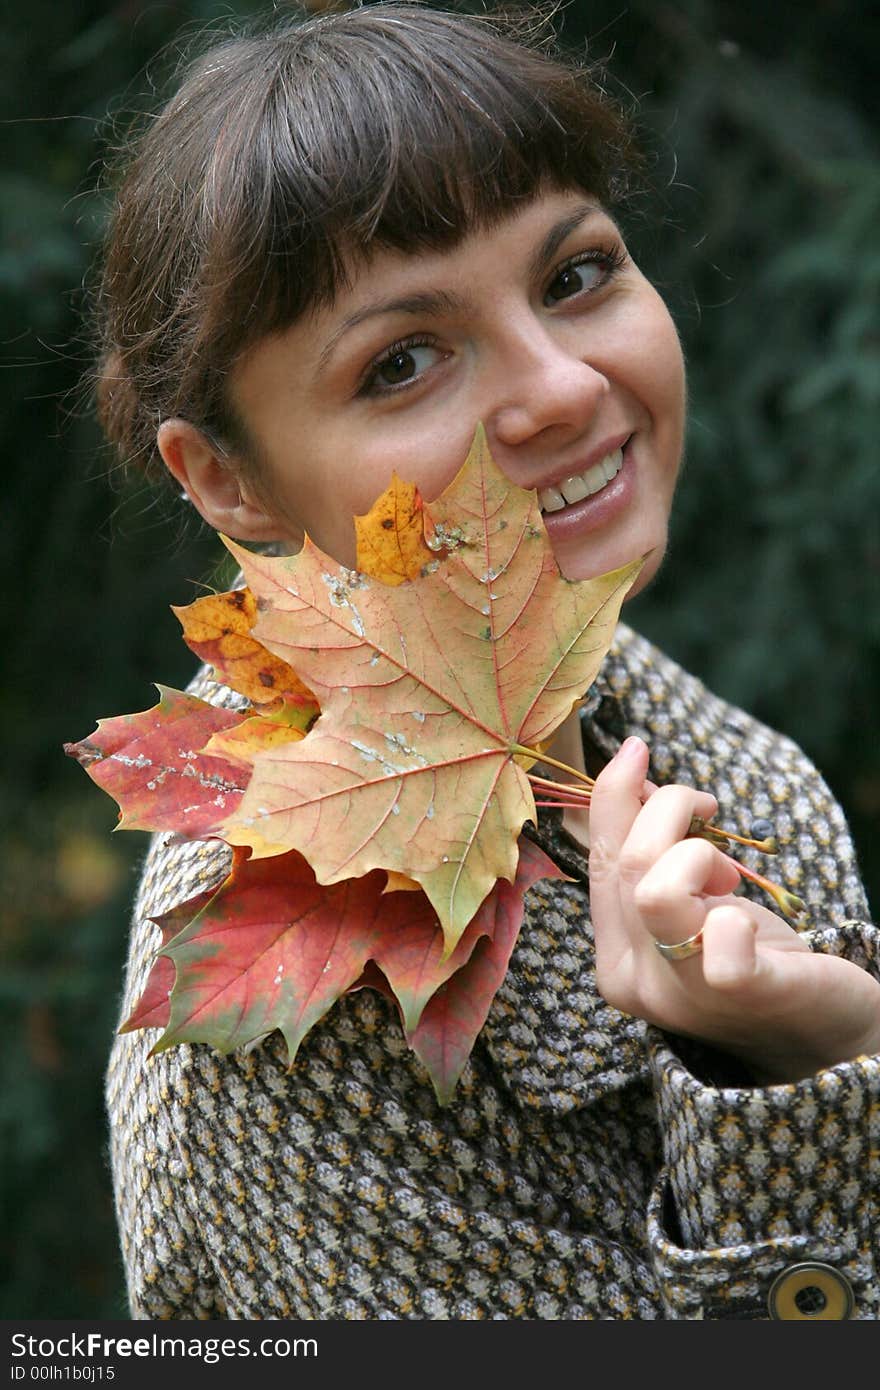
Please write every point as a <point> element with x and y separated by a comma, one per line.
<point>541,327</point>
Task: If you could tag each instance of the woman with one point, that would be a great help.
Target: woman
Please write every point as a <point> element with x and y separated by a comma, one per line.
<point>340,246</point>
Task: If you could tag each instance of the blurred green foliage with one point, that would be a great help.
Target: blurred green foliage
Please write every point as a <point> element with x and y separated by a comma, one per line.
<point>761,234</point>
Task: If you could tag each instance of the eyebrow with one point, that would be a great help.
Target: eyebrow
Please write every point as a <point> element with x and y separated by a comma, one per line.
<point>438,302</point>
<point>558,234</point>
<point>433,302</point>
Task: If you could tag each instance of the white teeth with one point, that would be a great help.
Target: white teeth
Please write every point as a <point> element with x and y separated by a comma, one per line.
<point>580,485</point>
<point>573,489</point>
<point>551,499</point>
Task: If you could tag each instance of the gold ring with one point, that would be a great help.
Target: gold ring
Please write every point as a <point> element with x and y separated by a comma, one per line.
<point>680,950</point>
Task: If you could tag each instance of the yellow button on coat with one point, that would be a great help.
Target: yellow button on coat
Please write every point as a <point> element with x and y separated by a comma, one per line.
<point>810,1291</point>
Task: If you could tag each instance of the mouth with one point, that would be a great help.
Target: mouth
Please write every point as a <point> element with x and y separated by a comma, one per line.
<point>581,485</point>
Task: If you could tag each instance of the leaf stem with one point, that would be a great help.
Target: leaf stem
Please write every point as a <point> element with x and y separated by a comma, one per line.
<point>574,797</point>
<point>567,805</point>
<point>539,781</point>
<point>545,758</point>
<point>789,904</point>
<point>719,837</point>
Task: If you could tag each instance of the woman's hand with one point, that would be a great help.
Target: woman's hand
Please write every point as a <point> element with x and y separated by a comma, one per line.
<point>755,990</point>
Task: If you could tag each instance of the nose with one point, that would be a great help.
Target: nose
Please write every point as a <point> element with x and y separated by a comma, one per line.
<point>543,385</point>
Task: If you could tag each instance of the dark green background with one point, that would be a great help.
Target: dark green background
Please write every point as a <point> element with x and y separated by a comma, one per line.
<point>762,234</point>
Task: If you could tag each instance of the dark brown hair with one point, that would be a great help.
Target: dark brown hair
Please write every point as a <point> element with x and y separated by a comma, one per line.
<point>288,153</point>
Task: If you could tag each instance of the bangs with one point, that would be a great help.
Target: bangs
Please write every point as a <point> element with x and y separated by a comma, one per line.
<point>396,136</point>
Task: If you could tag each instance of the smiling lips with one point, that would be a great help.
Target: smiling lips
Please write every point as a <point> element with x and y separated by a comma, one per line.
<point>581,485</point>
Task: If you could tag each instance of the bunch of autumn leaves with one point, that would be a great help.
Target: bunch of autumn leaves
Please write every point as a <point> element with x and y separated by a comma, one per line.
<point>375,789</point>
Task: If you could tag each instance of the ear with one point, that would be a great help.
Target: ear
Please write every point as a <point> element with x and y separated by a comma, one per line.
<point>213,485</point>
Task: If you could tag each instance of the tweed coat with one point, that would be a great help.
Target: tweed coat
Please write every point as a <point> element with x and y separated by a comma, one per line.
<point>588,1167</point>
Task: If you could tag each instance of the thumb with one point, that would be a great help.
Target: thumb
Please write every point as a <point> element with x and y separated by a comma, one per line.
<point>615,800</point>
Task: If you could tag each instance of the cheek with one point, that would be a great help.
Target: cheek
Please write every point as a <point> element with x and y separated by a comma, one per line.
<point>428,453</point>
<point>338,492</point>
<point>666,376</point>
<point>655,361</point>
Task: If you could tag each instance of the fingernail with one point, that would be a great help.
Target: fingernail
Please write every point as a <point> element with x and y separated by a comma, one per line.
<point>630,748</point>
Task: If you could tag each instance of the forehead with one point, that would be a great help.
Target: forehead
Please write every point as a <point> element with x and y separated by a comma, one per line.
<point>536,230</point>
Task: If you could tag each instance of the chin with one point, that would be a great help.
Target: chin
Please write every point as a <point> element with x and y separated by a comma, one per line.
<point>581,569</point>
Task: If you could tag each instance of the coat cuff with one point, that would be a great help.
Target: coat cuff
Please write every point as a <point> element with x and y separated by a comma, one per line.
<point>755,1165</point>
<point>741,1281</point>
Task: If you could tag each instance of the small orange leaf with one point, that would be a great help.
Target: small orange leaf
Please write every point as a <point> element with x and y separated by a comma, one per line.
<point>259,734</point>
<point>400,883</point>
<point>391,535</point>
<point>218,629</point>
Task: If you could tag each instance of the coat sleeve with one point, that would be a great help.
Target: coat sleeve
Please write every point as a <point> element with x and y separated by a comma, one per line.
<point>756,1179</point>
<point>760,1179</point>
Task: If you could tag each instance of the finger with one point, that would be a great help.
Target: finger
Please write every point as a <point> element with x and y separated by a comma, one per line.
<point>730,956</point>
<point>616,799</point>
<point>664,821</point>
<point>671,897</point>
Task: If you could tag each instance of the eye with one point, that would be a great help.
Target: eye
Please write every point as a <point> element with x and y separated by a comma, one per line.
<point>400,365</point>
<point>584,274</point>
